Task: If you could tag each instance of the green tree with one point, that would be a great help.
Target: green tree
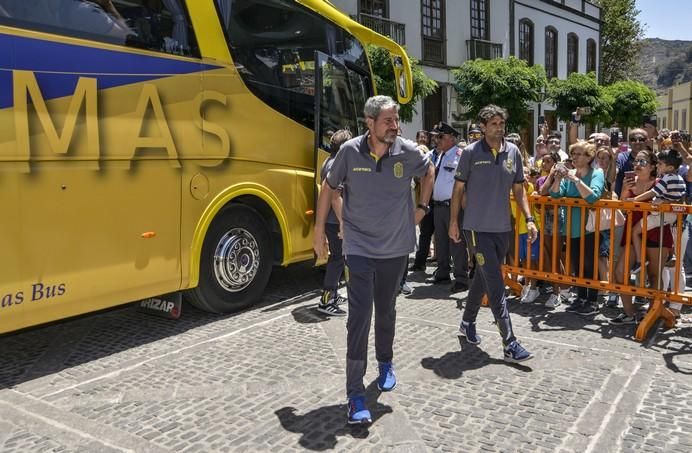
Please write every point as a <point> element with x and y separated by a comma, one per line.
<point>621,34</point>
<point>385,83</point>
<point>579,90</point>
<point>630,101</point>
<point>509,83</point>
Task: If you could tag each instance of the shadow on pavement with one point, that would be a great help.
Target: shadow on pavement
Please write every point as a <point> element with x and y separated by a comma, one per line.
<point>321,427</point>
<point>452,365</point>
<point>309,315</point>
<point>52,348</point>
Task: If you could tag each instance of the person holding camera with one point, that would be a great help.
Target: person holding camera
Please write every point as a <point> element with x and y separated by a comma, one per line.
<point>587,183</point>
<point>625,160</point>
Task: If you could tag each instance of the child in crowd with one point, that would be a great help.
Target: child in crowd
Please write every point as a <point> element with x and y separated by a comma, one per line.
<point>330,299</point>
<point>529,292</point>
<point>670,188</point>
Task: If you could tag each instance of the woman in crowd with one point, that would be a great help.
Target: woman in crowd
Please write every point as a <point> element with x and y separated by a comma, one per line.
<point>645,178</point>
<point>587,183</point>
<point>558,296</point>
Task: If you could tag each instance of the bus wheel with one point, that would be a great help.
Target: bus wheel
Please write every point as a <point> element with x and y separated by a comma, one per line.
<point>236,261</point>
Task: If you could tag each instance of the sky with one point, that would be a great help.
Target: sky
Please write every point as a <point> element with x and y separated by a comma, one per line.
<point>666,19</point>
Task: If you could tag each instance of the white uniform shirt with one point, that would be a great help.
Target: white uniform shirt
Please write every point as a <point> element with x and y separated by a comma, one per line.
<point>445,170</point>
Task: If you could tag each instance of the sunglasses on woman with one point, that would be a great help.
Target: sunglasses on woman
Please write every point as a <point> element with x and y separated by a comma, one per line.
<point>641,162</point>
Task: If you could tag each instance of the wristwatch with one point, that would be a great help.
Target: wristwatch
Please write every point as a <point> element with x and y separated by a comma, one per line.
<point>530,219</point>
<point>425,208</point>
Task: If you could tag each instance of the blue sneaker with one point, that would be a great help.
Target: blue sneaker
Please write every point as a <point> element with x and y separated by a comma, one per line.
<point>358,413</point>
<point>515,353</point>
<point>386,381</point>
<point>468,330</point>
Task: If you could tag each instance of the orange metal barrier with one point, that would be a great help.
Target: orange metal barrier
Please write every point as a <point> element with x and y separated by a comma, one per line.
<point>658,313</point>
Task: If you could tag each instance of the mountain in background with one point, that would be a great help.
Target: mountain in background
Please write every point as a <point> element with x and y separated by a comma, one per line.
<point>665,63</point>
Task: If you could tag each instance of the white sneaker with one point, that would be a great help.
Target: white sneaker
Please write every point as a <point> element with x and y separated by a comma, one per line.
<point>531,295</point>
<point>565,294</point>
<point>524,291</point>
<point>553,301</point>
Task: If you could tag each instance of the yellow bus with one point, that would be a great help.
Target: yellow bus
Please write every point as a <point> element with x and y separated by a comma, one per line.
<point>153,146</point>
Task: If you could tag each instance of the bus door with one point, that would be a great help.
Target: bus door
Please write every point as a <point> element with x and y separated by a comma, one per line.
<point>340,95</point>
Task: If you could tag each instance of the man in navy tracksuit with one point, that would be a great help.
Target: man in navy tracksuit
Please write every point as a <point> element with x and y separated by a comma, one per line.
<point>375,171</point>
<point>487,171</point>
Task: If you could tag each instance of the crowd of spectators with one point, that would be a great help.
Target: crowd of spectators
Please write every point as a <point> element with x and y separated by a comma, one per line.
<point>646,165</point>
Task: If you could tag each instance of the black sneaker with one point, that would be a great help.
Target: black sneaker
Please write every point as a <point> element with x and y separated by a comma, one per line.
<point>459,286</point>
<point>575,305</point>
<point>331,309</point>
<point>340,300</point>
<point>637,267</point>
<point>436,280</point>
<point>587,308</point>
<point>612,301</point>
<point>416,267</point>
<point>622,319</point>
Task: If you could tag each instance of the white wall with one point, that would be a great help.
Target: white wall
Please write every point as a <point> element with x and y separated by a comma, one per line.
<point>564,23</point>
<point>458,31</point>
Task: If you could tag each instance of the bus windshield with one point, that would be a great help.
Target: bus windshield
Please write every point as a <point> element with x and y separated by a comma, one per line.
<point>273,45</point>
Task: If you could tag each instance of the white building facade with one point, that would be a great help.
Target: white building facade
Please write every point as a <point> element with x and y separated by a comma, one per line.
<point>561,35</point>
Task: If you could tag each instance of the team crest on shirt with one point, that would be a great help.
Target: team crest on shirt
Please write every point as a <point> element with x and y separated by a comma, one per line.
<point>399,170</point>
<point>509,165</point>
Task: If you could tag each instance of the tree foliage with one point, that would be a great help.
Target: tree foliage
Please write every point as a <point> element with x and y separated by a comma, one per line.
<point>620,40</point>
<point>509,83</point>
<point>630,101</point>
<point>579,90</point>
<point>385,82</point>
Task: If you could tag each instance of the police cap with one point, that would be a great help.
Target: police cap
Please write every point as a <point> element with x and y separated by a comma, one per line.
<point>444,128</point>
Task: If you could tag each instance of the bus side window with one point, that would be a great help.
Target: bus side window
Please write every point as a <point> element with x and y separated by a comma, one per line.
<point>159,25</point>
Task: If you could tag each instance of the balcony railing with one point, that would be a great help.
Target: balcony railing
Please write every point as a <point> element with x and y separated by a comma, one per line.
<point>486,50</point>
<point>433,50</point>
<point>383,26</point>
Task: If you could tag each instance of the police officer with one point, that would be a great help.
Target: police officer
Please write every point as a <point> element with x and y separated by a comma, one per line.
<point>475,133</point>
<point>375,172</point>
<point>487,170</point>
<point>445,248</point>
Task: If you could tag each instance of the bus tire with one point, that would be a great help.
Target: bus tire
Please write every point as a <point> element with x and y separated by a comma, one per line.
<point>235,263</point>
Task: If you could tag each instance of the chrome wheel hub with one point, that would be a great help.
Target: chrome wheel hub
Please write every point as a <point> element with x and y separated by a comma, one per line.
<point>236,260</point>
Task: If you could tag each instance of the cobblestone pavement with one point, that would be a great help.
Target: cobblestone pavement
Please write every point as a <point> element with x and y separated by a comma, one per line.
<point>272,379</point>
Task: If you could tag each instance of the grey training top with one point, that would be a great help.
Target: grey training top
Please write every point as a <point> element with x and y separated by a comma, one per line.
<point>489,179</point>
<point>378,212</point>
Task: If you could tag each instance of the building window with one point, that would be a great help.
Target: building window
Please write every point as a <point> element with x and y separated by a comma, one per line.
<point>590,55</point>
<point>572,53</point>
<point>675,119</point>
<point>526,40</point>
<point>374,8</point>
<point>683,123</point>
<point>433,108</point>
<point>550,52</point>
<point>479,20</point>
<point>433,22</point>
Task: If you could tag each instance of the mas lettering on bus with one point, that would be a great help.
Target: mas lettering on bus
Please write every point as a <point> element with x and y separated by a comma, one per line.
<point>84,101</point>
